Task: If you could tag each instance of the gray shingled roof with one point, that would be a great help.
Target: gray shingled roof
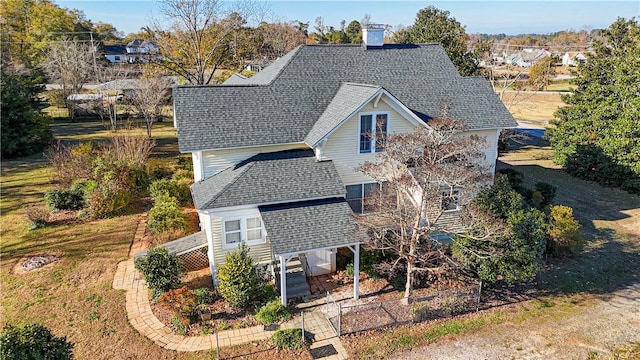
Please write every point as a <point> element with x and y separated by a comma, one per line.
<point>348,98</point>
<point>182,245</point>
<point>283,103</point>
<point>269,178</point>
<point>304,226</point>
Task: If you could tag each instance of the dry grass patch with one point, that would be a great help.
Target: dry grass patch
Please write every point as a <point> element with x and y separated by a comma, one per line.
<point>532,106</point>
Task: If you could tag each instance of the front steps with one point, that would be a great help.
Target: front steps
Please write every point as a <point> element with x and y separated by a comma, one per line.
<point>296,279</point>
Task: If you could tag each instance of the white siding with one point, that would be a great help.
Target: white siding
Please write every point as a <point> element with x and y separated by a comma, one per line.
<point>215,161</point>
<point>259,252</point>
<point>343,145</point>
<point>491,153</point>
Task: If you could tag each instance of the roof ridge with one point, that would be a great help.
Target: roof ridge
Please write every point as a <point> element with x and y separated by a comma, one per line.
<point>362,85</point>
<point>243,169</point>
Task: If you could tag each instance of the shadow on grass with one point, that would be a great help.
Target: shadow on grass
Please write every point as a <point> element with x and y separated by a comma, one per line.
<point>610,260</point>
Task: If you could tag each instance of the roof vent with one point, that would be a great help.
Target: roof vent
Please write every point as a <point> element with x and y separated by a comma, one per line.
<point>373,35</point>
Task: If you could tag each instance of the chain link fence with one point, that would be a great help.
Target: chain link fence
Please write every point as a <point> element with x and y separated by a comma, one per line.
<point>376,314</point>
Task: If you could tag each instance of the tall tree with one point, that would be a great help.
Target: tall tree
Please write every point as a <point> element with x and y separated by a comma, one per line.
<point>597,136</point>
<point>70,63</point>
<point>435,25</point>
<point>426,176</point>
<point>24,131</point>
<point>542,72</point>
<point>354,32</point>
<point>200,36</point>
<point>279,38</point>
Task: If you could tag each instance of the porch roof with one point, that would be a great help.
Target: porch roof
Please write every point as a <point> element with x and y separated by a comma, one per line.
<point>182,245</point>
<point>306,226</point>
<point>267,178</point>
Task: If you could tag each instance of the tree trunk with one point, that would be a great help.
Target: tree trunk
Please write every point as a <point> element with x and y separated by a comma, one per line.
<point>408,287</point>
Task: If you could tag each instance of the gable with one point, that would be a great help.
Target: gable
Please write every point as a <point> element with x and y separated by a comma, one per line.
<point>349,100</point>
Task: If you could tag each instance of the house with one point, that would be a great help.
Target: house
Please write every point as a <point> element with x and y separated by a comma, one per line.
<point>139,50</point>
<point>274,155</point>
<point>526,58</point>
<point>115,53</point>
<point>573,58</point>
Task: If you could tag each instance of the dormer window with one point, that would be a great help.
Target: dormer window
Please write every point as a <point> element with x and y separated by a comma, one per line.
<point>374,128</point>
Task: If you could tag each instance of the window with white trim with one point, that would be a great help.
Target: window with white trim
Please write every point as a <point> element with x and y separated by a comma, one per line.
<point>450,199</point>
<point>356,195</point>
<point>374,128</point>
<point>246,229</point>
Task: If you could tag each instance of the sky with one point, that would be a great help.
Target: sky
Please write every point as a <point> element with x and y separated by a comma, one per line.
<point>492,17</point>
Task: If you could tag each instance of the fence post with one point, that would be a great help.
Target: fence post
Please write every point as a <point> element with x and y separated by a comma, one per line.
<point>217,347</point>
<point>302,315</point>
<point>479,294</point>
<point>339,319</point>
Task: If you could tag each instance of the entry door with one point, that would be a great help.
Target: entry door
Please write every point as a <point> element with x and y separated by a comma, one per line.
<point>321,262</point>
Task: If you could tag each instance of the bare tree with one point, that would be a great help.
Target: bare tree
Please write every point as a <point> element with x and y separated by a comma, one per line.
<point>427,179</point>
<point>149,95</point>
<point>112,79</point>
<point>200,35</point>
<point>70,63</point>
<point>279,38</point>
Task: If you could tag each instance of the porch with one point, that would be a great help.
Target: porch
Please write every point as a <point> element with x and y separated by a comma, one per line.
<point>310,228</point>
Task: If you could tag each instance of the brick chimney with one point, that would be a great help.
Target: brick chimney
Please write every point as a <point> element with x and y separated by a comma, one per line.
<point>373,35</point>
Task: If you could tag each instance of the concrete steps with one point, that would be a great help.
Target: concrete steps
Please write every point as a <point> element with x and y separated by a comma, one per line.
<point>296,280</point>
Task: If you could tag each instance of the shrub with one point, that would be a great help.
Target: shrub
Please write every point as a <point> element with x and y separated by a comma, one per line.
<point>160,269</point>
<point>273,312</point>
<point>107,200</point>
<point>37,215</point>
<point>239,282</point>
<point>65,199</point>
<point>203,296</point>
<point>563,232</point>
<point>500,199</point>
<point>182,302</point>
<point>289,339</point>
<point>33,342</point>
<point>178,189</point>
<point>166,214</point>
<point>542,196</point>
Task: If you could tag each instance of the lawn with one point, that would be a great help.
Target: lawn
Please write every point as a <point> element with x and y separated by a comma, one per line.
<point>72,297</point>
<point>534,107</point>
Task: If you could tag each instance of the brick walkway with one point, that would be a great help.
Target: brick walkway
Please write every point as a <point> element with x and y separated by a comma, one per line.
<point>326,345</point>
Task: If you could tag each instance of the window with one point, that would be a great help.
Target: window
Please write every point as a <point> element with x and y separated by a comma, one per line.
<point>248,230</point>
<point>117,58</point>
<point>356,195</point>
<point>450,200</point>
<point>373,132</point>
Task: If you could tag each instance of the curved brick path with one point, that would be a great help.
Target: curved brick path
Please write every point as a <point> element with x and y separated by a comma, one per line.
<point>142,319</point>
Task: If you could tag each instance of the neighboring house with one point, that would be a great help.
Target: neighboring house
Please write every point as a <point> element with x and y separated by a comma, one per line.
<point>115,53</point>
<point>274,155</point>
<point>526,57</point>
<point>573,58</point>
<point>142,51</point>
<point>257,65</point>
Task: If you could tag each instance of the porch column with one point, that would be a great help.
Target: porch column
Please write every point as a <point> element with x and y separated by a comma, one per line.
<point>283,280</point>
<point>356,271</point>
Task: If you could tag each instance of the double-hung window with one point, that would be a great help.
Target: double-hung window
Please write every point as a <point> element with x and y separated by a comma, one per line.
<point>246,229</point>
<point>450,200</point>
<point>356,195</point>
<point>374,128</point>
